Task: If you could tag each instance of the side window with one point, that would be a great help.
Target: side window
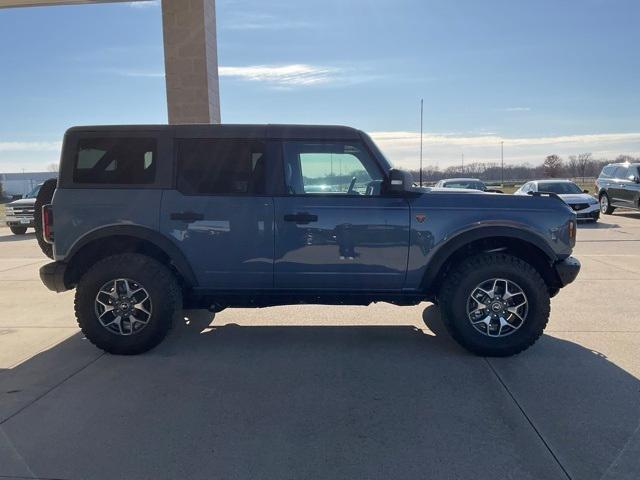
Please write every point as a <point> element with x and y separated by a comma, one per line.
<point>608,171</point>
<point>621,172</point>
<point>118,161</point>
<point>221,167</point>
<point>336,168</point>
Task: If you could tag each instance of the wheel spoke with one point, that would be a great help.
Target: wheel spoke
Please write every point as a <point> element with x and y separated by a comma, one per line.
<point>140,306</point>
<point>486,320</point>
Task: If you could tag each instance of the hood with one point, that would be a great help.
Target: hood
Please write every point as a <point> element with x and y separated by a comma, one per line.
<point>23,202</point>
<point>577,198</point>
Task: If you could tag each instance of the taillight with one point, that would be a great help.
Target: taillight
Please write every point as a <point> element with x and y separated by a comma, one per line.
<point>47,223</point>
<point>572,232</point>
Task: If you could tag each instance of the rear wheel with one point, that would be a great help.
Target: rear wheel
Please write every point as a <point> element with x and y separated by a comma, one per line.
<point>18,230</point>
<point>125,304</point>
<point>605,205</point>
<point>495,304</point>
<point>44,197</point>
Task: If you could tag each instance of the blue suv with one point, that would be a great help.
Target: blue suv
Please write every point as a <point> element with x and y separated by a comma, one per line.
<point>146,220</point>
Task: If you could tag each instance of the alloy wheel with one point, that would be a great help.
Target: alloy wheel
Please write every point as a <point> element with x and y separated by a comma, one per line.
<point>123,306</point>
<point>497,307</point>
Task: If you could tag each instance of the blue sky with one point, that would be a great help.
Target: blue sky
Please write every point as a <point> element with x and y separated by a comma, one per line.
<point>542,76</point>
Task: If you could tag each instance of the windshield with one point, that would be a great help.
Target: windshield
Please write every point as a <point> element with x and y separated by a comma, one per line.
<point>561,188</point>
<point>33,193</point>
<point>468,184</point>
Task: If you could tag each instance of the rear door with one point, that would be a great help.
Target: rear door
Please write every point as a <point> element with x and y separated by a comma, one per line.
<point>335,231</point>
<point>220,214</point>
<point>617,189</point>
<point>630,188</point>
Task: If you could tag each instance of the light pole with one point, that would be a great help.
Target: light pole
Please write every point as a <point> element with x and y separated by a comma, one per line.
<point>421,117</point>
<point>502,163</point>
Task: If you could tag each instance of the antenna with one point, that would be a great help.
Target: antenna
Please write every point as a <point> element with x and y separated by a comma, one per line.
<point>421,122</point>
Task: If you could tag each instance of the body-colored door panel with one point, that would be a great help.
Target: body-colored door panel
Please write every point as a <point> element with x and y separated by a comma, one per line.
<point>228,240</point>
<point>335,242</point>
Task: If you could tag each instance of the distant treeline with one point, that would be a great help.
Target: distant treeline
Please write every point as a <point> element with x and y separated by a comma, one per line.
<point>553,166</point>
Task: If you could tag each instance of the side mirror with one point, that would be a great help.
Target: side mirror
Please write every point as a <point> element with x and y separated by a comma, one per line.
<point>634,179</point>
<point>399,181</point>
<point>585,191</point>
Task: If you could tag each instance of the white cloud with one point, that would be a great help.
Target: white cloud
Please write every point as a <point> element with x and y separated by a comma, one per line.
<point>282,75</point>
<point>144,4</point>
<point>445,150</point>
<point>262,21</point>
<point>517,109</point>
<point>135,73</point>
<point>30,146</point>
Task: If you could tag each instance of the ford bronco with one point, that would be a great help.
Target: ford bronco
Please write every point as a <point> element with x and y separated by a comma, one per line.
<point>147,220</point>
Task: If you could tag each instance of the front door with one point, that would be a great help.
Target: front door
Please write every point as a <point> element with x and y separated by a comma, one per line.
<point>219,215</point>
<point>334,229</point>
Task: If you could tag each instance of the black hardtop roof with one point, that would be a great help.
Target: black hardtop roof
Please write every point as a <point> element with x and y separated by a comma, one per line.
<point>337,132</point>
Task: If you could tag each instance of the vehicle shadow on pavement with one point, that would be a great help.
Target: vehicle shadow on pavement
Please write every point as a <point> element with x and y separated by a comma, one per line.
<point>628,214</point>
<point>600,225</point>
<point>17,238</point>
<point>375,402</point>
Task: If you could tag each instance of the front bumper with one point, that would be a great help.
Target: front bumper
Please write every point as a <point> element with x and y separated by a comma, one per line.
<point>592,212</point>
<point>19,221</point>
<point>567,270</point>
<point>52,275</point>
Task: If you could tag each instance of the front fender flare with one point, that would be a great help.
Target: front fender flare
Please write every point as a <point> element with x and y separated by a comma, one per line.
<point>439,258</point>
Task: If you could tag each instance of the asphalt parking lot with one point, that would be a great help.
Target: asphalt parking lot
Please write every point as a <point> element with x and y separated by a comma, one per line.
<point>309,392</point>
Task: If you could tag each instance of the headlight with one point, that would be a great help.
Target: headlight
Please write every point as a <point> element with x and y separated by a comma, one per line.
<point>593,201</point>
<point>8,211</point>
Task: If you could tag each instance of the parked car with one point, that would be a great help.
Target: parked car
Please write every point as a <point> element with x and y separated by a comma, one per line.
<point>465,183</point>
<point>619,186</point>
<point>146,220</point>
<point>584,204</point>
<point>19,214</point>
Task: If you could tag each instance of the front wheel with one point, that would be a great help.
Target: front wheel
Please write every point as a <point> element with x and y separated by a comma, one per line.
<point>18,230</point>
<point>125,304</point>
<point>495,304</point>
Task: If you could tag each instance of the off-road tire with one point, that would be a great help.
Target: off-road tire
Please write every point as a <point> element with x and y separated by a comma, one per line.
<point>466,276</point>
<point>44,197</point>
<point>18,230</point>
<point>163,290</point>
<point>609,209</point>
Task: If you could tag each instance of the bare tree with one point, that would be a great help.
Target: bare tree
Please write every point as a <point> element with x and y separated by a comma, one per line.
<point>572,166</point>
<point>552,166</point>
<point>625,158</point>
<point>584,159</point>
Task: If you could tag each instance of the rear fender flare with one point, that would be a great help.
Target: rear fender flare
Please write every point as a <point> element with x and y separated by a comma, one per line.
<point>143,233</point>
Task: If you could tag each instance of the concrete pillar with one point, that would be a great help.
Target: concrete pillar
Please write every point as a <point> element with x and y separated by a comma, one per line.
<point>191,61</point>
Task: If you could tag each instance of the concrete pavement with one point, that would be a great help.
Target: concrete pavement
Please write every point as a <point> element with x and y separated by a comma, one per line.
<point>327,392</point>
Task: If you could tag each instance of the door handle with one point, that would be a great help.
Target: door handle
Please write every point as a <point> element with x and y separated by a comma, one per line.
<point>301,218</point>
<point>187,216</point>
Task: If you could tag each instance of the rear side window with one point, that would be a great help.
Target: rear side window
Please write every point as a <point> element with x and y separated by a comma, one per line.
<point>221,167</point>
<point>118,161</point>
